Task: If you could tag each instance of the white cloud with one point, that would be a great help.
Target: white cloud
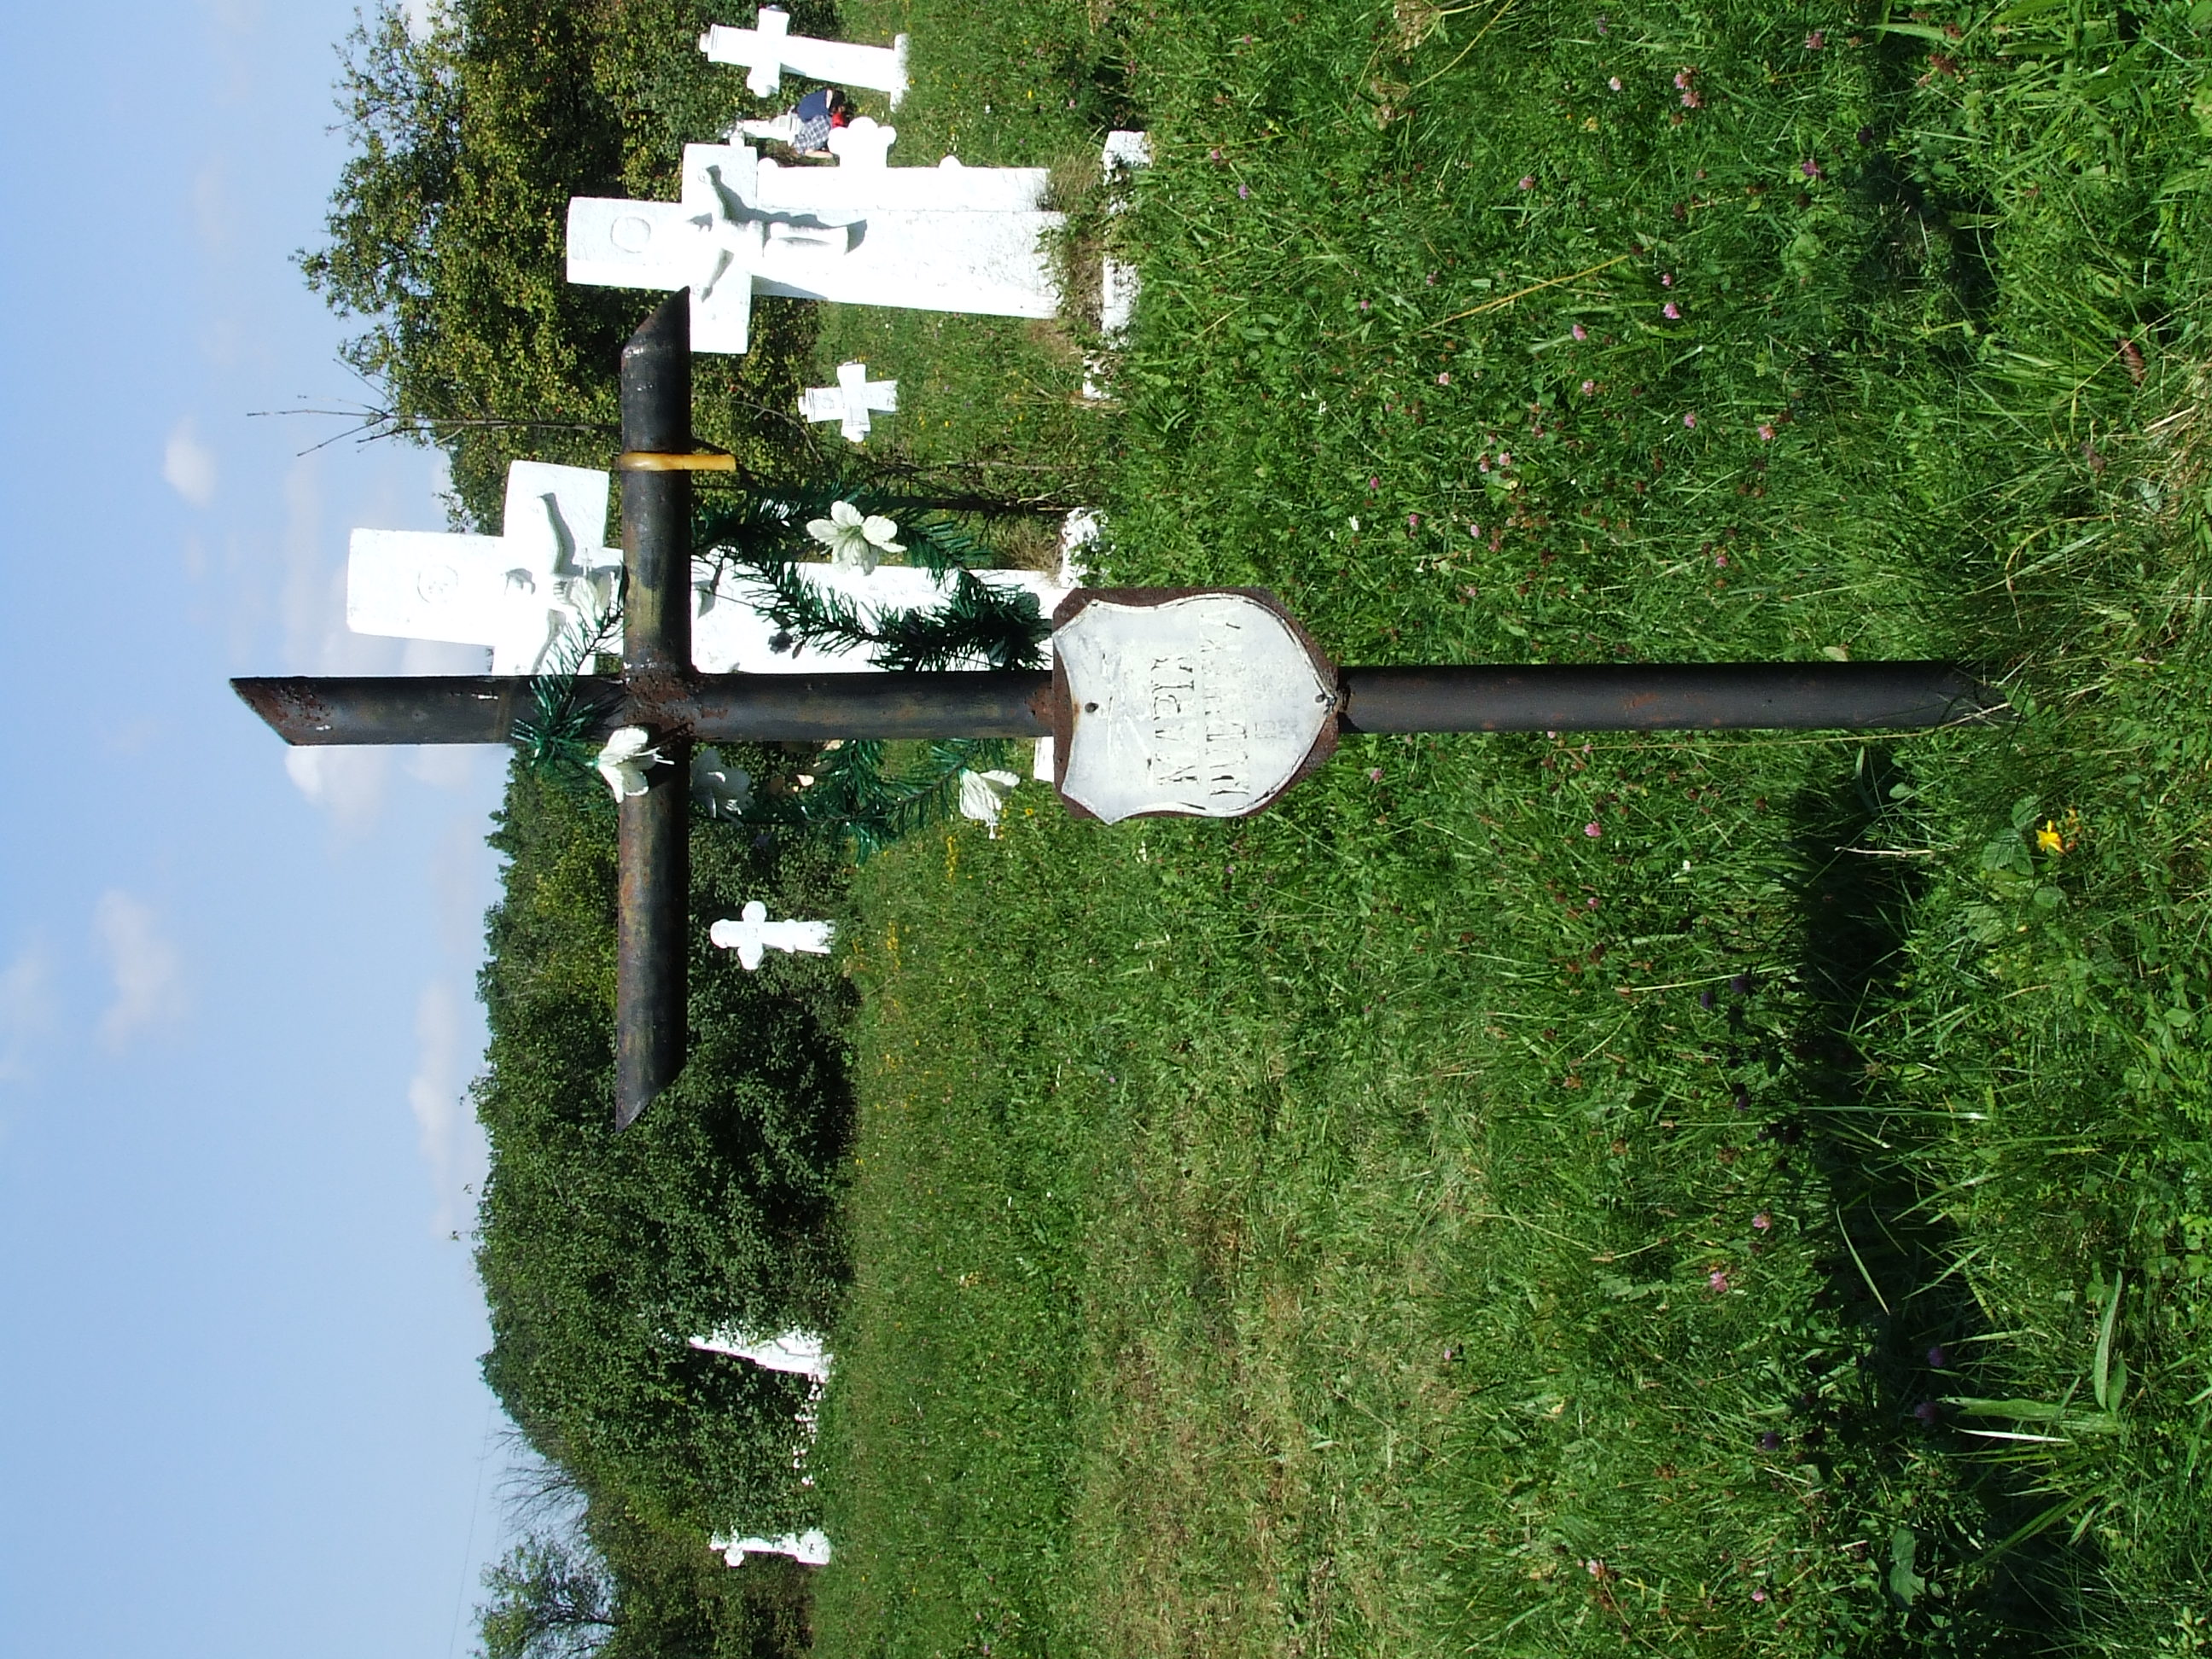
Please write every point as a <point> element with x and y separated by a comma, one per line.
<point>449,766</point>
<point>146,968</point>
<point>438,1095</point>
<point>26,1009</point>
<point>214,211</point>
<point>347,783</point>
<point>188,464</point>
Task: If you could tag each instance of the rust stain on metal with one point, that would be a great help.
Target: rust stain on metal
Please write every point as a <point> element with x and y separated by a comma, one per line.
<point>288,706</point>
<point>664,700</point>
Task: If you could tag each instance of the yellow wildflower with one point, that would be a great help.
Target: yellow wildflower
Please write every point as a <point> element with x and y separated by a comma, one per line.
<point>2059,835</point>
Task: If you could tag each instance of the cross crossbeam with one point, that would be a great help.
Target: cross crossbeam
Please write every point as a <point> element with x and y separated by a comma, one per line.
<point>659,690</point>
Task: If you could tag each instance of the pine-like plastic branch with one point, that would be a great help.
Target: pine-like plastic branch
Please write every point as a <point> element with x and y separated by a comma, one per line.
<point>554,734</point>
<point>854,796</point>
<point>753,527</point>
<point>978,623</point>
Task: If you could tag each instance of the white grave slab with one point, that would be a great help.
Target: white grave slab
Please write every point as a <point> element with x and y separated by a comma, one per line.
<point>1124,153</point>
<point>800,1352</point>
<point>851,401</point>
<point>768,48</point>
<point>1077,530</point>
<point>947,238</point>
<point>1206,705</point>
<point>811,1547</point>
<point>753,935</point>
<point>517,592</point>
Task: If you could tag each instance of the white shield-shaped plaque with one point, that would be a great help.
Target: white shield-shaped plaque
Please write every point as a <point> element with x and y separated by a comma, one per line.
<point>1205,704</point>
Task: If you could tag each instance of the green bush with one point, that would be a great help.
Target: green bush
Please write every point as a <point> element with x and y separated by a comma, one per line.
<point>601,1253</point>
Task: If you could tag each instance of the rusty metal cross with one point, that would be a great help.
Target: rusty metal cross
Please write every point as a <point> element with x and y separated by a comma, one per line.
<point>659,690</point>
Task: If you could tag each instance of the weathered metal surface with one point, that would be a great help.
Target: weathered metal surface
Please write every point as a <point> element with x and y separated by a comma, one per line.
<point>1664,696</point>
<point>652,979</point>
<point>1185,703</point>
<point>651,953</point>
<point>415,708</point>
<point>708,707</point>
<point>766,708</point>
<point>656,506</point>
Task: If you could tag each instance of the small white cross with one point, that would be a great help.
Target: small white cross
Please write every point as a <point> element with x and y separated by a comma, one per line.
<point>1124,153</point>
<point>769,48</point>
<point>850,400</point>
<point>753,935</point>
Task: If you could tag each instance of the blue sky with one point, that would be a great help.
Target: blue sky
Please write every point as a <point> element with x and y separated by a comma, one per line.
<point>239,1412</point>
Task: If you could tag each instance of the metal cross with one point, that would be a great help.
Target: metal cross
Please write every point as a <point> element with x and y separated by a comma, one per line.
<point>659,689</point>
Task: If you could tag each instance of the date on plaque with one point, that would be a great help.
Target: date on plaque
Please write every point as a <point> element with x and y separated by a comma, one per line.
<point>1192,703</point>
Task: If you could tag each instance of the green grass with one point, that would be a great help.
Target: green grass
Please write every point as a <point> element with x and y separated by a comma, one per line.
<point>1351,1230</point>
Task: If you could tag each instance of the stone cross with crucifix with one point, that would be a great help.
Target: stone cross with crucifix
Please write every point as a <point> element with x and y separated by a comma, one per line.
<point>517,592</point>
<point>769,47</point>
<point>545,576</point>
<point>850,401</point>
<point>1158,701</point>
<point>946,238</point>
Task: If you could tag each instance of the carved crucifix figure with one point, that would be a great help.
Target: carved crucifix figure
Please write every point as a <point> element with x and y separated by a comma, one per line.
<point>1134,732</point>
<point>517,592</point>
<point>946,238</point>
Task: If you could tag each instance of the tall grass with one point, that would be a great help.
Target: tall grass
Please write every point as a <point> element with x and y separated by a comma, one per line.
<point>1543,1195</point>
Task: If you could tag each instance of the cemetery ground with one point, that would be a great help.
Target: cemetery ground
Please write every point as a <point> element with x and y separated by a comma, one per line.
<point>1543,1195</point>
<point>1538,1195</point>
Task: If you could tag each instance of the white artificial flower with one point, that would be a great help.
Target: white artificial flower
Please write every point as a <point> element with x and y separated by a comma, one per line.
<point>624,762</point>
<point>982,796</point>
<point>720,790</point>
<point>854,542</point>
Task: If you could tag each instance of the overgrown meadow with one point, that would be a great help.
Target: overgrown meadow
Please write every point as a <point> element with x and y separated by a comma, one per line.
<point>1564,1194</point>
<point>1523,1195</point>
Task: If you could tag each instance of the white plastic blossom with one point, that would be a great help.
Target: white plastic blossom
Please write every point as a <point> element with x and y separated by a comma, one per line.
<point>854,542</point>
<point>624,762</point>
<point>983,797</point>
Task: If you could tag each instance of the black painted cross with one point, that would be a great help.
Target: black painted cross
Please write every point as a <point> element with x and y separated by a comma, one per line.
<point>1159,701</point>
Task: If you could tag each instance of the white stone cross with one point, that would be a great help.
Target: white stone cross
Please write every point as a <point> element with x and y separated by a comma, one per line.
<point>850,400</point>
<point>800,1353</point>
<point>753,935</point>
<point>946,238</point>
<point>769,47</point>
<point>517,592</point>
<point>810,1549</point>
